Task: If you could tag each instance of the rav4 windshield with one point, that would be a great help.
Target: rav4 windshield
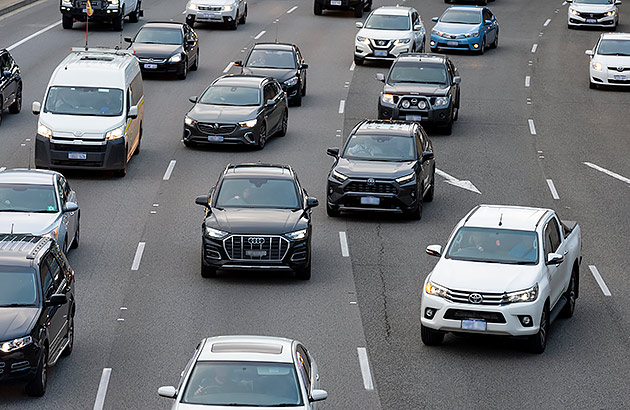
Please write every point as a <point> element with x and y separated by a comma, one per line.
<point>19,288</point>
<point>257,193</point>
<point>28,198</point>
<point>380,148</point>
<point>385,22</point>
<point>227,95</point>
<point>494,245</point>
<point>461,17</point>
<point>105,102</point>
<point>414,72</point>
<point>614,48</point>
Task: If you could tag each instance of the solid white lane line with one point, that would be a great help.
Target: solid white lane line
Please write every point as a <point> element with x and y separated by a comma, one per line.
<point>138,257</point>
<point>342,106</point>
<point>228,67</point>
<point>344,244</point>
<point>32,36</point>
<point>169,170</point>
<point>292,9</point>
<point>102,389</point>
<point>552,188</point>
<point>528,80</point>
<point>547,22</point>
<point>534,47</point>
<point>365,368</point>
<point>259,35</point>
<point>600,280</point>
<point>352,66</point>
<point>607,172</point>
<point>532,127</point>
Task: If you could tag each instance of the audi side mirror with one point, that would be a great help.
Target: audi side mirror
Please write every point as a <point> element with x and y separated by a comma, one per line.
<point>434,250</point>
<point>203,200</point>
<point>333,152</point>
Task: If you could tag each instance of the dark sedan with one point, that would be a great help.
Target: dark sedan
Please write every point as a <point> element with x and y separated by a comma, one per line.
<point>10,84</point>
<point>171,48</point>
<point>282,61</point>
<point>237,109</point>
<point>258,217</point>
<point>385,166</point>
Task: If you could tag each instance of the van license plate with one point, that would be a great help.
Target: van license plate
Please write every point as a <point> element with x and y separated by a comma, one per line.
<point>77,155</point>
<point>474,324</point>
<point>370,200</point>
<point>335,2</point>
<point>215,138</point>
<point>256,253</point>
<point>150,66</point>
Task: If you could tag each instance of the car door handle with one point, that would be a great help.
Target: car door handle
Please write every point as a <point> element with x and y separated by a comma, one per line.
<point>565,253</point>
<point>317,377</point>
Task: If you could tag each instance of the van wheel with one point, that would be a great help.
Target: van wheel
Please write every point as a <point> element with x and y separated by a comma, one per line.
<point>16,107</point>
<point>135,16</point>
<point>67,22</point>
<point>119,23</point>
<point>37,386</point>
<point>431,337</point>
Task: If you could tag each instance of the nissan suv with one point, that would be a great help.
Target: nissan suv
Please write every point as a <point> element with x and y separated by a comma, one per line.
<point>385,166</point>
<point>421,87</point>
<point>258,217</point>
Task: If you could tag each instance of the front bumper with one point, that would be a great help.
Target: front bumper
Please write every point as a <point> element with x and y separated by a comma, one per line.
<point>501,320</point>
<point>466,44</point>
<point>211,14</point>
<point>392,197</point>
<point>370,51</point>
<point>291,91</point>
<point>592,20</point>
<point>610,77</point>
<point>79,14</point>
<point>431,114</point>
<point>99,155</point>
<point>197,134</point>
<point>339,4</point>
<point>20,364</point>
<point>150,65</point>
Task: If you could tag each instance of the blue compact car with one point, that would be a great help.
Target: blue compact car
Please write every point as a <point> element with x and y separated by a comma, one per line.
<point>465,28</point>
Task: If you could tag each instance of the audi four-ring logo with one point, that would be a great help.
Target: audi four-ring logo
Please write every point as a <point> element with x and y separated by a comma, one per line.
<point>475,298</point>
<point>256,241</point>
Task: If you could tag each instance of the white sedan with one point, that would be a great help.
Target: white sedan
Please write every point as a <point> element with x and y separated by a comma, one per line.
<point>593,13</point>
<point>610,60</point>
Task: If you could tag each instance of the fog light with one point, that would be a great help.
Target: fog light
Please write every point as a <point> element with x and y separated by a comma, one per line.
<point>429,313</point>
<point>475,45</point>
<point>432,43</point>
<point>330,190</point>
<point>526,320</point>
<point>405,104</point>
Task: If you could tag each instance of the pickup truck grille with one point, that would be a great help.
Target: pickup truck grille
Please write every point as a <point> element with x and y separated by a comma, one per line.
<point>256,247</point>
<point>463,296</point>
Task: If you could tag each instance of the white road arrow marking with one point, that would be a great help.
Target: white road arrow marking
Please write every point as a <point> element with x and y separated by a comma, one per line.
<point>464,184</point>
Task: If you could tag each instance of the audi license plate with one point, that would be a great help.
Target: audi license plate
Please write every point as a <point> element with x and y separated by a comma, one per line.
<point>474,324</point>
<point>591,20</point>
<point>150,66</point>
<point>452,43</point>
<point>380,53</point>
<point>620,77</point>
<point>410,117</point>
<point>370,200</point>
<point>335,2</point>
<point>256,253</point>
<point>77,155</point>
<point>215,138</point>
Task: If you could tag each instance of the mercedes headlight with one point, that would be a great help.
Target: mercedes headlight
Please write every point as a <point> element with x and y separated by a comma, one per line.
<point>437,290</point>
<point>16,344</point>
<point>296,235</point>
<point>339,176</point>
<point>249,124</point>
<point>405,178</point>
<point>441,101</point>
<point>388,98</point>
<point>44,131</point>
<point>175,59</point>
<point>473,34</point>
<point>597,66</point>
<point>115,134</point>
<point>189,121</point>
<point>227,8</point>
<point>527,295</point>
<point>363,40</point>
<point>291,81</point>
<point>402,41</point>
<point>215,233</point>
<point>52,234</point>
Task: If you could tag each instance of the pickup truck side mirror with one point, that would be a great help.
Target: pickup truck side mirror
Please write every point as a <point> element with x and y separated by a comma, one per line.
<point>57,299</point>
<point>203,200</point>
<point>133,112</point>
<point>169,392</point>
<point>37,107</point>
<point>434,250</point>
<point>380,77</point>
<point>554,259</point>
<point>333,152</point>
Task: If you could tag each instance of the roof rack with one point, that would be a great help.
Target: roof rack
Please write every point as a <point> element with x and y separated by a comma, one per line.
<point>101,50</point>
<point>17,242</point>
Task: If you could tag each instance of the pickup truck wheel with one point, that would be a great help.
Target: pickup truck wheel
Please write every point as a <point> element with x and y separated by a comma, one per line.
<point>538,342</point>
<point>431,337</point>
<point>119,23</point>
<point>317,8</point>
<point>67,22</point>
<point>571,296</point>
<point>135,16</point>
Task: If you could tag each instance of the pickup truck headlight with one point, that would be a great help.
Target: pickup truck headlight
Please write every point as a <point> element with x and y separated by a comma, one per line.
<point>339,176</point>
<point>473,34</point>
<point>402,41</point>
<point>388,98</point>
<point>16,344</point>
<point>249,124</point>
<point>597,66</point>
<point>215,233</point>
<point>441,101</point>
<point>189,121</point>
<point>175,59</point>
<point>405,178</point>
<point>115,134</point>
<point>296,235</point>
<point>527,295</point>
<point>437,290</point>
<point>228,8</point>
<point>44,131</point>
<point>291,81</point>
<point>363,40</point>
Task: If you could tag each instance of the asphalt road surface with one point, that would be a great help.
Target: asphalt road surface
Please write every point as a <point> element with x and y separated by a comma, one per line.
<point>530,132</point>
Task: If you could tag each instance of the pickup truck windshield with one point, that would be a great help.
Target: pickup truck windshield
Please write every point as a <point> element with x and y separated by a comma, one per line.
<point>494,245</point>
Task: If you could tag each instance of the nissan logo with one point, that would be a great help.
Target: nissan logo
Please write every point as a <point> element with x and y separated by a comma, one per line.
<point>256,241</point>
<point>371,182</point>
<point>475,298</point>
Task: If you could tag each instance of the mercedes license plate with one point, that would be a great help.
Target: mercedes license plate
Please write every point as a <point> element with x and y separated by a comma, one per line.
<point>335,2</point>
<point>474,324</point>
<point>452,43</point>
<point>591,20</point>
<point>370,200</point>
<point>380,53</point>
<point>410,117</point>
<point>215,138</point>
<point>77,155</point>
<point>620,77</point>
<point>150,66</point>
<point>255,253</point>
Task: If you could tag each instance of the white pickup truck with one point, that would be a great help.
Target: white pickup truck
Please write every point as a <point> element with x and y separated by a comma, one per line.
<point>506,270</point>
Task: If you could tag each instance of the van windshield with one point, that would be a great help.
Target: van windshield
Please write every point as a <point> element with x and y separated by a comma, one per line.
<point>102,102</point>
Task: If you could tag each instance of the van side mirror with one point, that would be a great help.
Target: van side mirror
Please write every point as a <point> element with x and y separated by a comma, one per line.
<point>133,112</point>
<point>318,395</point>
<point>57,299</point>
<point>434,19</point>
<point>359,24</point>
<point>457,80</point>
<point>203,200</point>
<point>311,202</point>
<point>333,152</point>
<point>193,99</point>
<point>555,259</point>
<point>434,250</point>
<point>380,77</point>
<point>128,40</point>
<point>37,107</point>
<point>427,155</point>
<point>238,63</point>
<point>169,392</point>
<point>70,207</point>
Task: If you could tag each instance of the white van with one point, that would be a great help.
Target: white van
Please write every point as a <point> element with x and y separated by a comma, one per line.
<point>92,114</point>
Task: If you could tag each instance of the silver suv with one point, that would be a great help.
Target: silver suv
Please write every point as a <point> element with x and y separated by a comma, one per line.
<point>230,12</point>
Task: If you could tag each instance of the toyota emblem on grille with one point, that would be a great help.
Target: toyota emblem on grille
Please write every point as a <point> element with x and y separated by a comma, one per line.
<point>256,241</point>
<point>620,68</point>
<point>371,182</point>
<point>475,298</point>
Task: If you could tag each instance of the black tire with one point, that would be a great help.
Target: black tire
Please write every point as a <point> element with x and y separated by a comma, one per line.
<point>262,137</point>
<point>482,2</point>
<point>135,16</point>
<point>592,85</point>
<point>37,386</point>
<point>332,211</point>
<point>119,24</point>
<point>433,49</point>
<point>358,60</point>
<point>305,273</point>
<point>184,73</point>
<point>284,125</point>
<point>70,335</point>
<point>482,50</point>
<point>233,25</point>
<point>431,192</point>
<point>190,21</point>
<point>448,128</point>
<point>368,6</point>
<point>416,214</point>
<point>297,100</point>
<point>67,22</point>
<point>207,271</point>
<point>195,66</point>
<point>137,150</point>
<point>304,86</point>
<point>495,43</point>
<point>120,173</point>
<point>317,8</point>
<point>537,343</point>
<point>358,10</point>
<point>571,296</point>
<point>16,107</point>
<point>243,18</point>
<point>431,337</point>
<point>77,236</point>
<point>456,116</point>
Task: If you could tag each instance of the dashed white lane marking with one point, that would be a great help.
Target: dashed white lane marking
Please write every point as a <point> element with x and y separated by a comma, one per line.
<point>352,66</point>
<point>365,368</point>
<point>138,257</point>
<point>342,106</point>
<point>228,67</point>
<point>259,35</point>
<point>32,36</point>
<point>2,168</point>
<point>552,188</point>
<point>102,389</point>
<point>532,127</point>
<point>547,22</point>
<point>607,172</point>
<point>528,80</point>
<point>169,170</point>
<point>600,280</point>
<point>344,244</point>
<point>292,9</point>
<point>534,48</point>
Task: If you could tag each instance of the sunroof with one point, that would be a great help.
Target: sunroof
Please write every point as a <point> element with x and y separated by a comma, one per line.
<point>235,347</point>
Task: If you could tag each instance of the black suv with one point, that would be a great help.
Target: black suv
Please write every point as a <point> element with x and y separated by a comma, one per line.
<point>37,309</point>
<point>10,84</point>
<point>421,87</point>
<point>384,166</point>
<point>357,5</point>
<point>258,217</point>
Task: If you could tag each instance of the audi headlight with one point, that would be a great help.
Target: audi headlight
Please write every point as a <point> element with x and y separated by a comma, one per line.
<point>527,295</point>
<point>402,41</point>
<point>363,40</point>
<point>228,8</point>
<point>16,344</point>
<point>296,235</point>
<point>215,233</point>
<point>405,178</point>
<point>249,124</point>
<point>115,134</point>
<point>437,290</point>
<point>388,98</point>
<point>291,81</point>
<point>441,101</point>
<point>610,13</point>
<point>473,34</point>
<point>175,59</point>
<point>339,176</point>
<point>189,121</point>
<point>597,66</point>
<point>44,131</point>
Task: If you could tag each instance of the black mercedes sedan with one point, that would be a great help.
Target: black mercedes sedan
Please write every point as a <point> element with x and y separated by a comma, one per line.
<point>386,166</point>
<point>168,47</point>
<point>237,109</point>
<point>282,61</point>
<point>258,217</point>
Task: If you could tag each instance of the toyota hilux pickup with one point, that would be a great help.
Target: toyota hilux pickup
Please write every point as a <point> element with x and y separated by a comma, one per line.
<point>506,270</point>
<point>113,11</point>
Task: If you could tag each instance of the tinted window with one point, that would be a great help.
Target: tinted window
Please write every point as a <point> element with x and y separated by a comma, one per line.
<point>271,59</point>
<point>417,72</point>
<point>552,236</point>
<point>48,281</point>
<point>487,15</point>
<point>136,89</point>
<point>159,36</point>
<point>270,92</point>
<point>387,22</point>
<point>461,17</point>
<point>380,148</point>
<point>107,102</point>
<point>494,245</point>
<point>28,198</point>
<point>252,384</point>
<point>609,47</point>
<point>257,193</point>
<point>19,287</point>
<point>227,95</point>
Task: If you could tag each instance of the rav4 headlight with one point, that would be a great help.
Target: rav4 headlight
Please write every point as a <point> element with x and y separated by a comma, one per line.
<point>437,290</point>
<point>16,344</point>
<point>597,66</point>
<point>215,233</point>
<point>388,98</point>
<point>44,131</point>
<point>405,178</point>
<point>527,295</point>
<point>297,235</point>
<point>441,101</point>
<point>339,176</point>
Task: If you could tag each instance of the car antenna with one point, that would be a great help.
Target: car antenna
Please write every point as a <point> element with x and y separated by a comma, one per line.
<point>12,228</point>
<point>30,154</point>
<point>501,219</point>
<point>276,23</point>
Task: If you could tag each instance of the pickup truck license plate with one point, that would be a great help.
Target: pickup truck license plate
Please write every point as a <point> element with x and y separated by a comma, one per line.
<point>370,200</point>
<point>215,138</point>
<point>620,77</point>
<point>335,2</point>
<point>77,155</point>
<point>474,324</point>
<point>150,66</point>
<point>256,253</point>
<point>452,43</point>
<point>591,20</point>
<point>380,53</point>
<point>410,117</point>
